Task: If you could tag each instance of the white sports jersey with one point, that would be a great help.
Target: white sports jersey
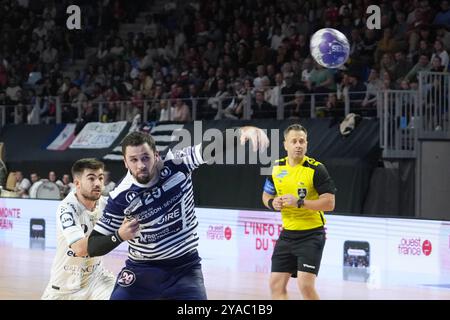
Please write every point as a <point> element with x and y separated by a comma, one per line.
<point>71,274</point>
<point>164,208</point>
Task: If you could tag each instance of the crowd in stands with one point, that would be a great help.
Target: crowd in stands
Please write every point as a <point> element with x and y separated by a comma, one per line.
<point>219,55</point>
<point>23,187</point>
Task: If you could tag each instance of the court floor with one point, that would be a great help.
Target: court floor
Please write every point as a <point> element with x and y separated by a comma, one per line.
<point>24,274</point>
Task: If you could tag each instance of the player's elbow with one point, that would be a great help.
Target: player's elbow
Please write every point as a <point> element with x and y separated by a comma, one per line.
<point>81,253</point>
<point>80,248</point>
<point>92,248</point>
<point>265,199</point>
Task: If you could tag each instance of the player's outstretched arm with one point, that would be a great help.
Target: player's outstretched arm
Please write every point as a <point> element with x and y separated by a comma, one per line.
<point>100,244</point>
<point>257,137</point>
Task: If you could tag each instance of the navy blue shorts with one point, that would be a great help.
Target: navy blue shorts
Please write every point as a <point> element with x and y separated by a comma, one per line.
<point>177,279</point>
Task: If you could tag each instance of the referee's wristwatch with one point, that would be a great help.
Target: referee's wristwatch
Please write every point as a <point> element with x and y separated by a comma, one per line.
<point>300,203</point>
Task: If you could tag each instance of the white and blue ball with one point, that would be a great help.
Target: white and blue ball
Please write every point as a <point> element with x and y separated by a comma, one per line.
<point>330,48</point>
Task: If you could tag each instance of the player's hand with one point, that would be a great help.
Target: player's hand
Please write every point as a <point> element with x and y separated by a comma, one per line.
<point>258,137</point>
<point>129,229</point>
<point>289,200</point>
<point>277,203</point>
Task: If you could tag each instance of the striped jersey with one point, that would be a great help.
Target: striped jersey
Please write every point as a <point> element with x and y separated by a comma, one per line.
<point>164,208</point>
<point>74,222</point>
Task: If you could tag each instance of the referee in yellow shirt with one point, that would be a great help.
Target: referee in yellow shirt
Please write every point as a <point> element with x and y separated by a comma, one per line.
<point>301,188</point>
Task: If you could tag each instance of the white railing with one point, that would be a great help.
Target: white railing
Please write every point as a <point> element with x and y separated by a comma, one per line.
<point>399,115</point>
<point>434,98</point>
<point>311,106</point>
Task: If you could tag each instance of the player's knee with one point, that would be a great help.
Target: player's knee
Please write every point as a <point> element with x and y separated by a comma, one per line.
<point>306,288</point>
<point>277,286</point>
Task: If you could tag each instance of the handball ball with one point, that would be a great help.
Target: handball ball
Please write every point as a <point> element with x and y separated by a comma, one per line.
<point>329,47</point>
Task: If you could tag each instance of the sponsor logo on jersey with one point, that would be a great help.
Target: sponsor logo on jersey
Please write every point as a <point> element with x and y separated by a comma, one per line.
<point>165,172</point>
<point>173,181</point>
<point>67,220</point>
<point>282,174</point>
<point>180,154</point>
<point>130,196</point>
<point>134,205</point>
<point>175,214</point>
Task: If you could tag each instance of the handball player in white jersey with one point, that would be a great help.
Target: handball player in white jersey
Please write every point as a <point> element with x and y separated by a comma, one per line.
<point>74,275</point>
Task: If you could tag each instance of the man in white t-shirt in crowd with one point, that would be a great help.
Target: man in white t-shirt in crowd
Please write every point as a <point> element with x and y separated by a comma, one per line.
<point>74,275</point>
<point>22,185</point>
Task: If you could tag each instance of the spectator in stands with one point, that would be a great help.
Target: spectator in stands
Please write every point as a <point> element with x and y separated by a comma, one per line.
<point>234,109</point>
<point>443,34</point>
<point>276,97</point>
<point>34,177</point>
<point>53,178</point>
<point>401,66</point>
<point>400,31</point>
<point>422,65</point>
<point>334,108</point>
<point>146,83</point>
<point>276,38</point>
<point>307,68</point>
<point>166,112</point>
<point>424,48</point>
<point>321,81</point>
<point>217,100</point>
<point>373,86</point>
<point>297,108</point>
<point>443,16</point>
<point>181,112</point>
<point>356,89</point>
<point>260,76</point>
<point>261,109</point>
<point>289,89</point>
<point>442,53</point>
<point>109,184</point>
<point>50,55</point>
<point>65,186</point>
<point>436,65</point>
<point>387,64</point>
<point>22,185</point>
<point>387,44</point>
<point>12,90</point>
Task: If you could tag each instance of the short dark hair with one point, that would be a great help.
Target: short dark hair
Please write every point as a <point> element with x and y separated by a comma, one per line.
<point>296,127</point>
<point>135,139</point>
<point>87,163</point>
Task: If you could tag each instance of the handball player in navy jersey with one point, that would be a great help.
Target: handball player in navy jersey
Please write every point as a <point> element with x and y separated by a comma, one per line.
<point>153,209</point>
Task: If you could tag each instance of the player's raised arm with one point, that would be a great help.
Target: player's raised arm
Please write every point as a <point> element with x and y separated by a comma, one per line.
<point>257,137</point>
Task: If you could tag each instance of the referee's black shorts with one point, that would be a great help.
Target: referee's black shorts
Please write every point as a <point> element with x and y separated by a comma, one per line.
<point>299,250</point>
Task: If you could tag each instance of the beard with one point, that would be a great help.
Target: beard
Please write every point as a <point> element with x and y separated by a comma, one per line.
<point>143,180</point>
